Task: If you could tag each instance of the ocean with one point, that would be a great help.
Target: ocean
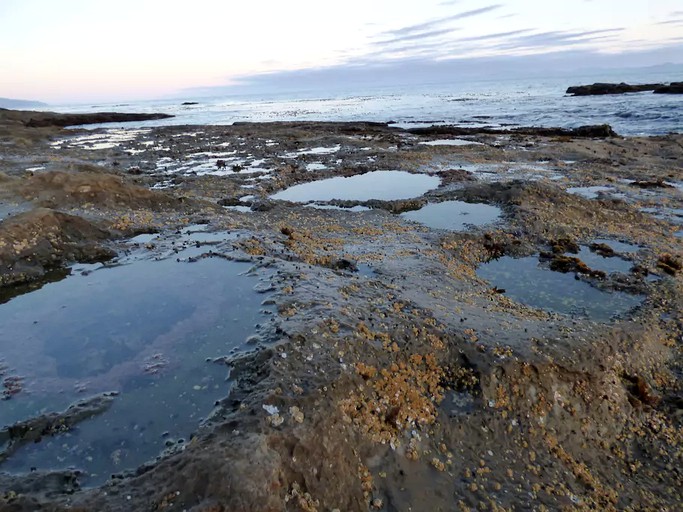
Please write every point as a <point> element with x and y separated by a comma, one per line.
<point>497,103</point>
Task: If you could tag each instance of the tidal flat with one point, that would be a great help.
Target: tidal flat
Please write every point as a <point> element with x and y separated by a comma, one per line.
<point>251,317</point>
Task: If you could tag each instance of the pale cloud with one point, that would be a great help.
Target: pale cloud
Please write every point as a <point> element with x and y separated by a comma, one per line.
<point>433,23</point>
<point>418,35</point>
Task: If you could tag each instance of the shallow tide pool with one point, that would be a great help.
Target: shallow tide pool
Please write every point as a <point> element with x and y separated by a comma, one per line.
<point>525,281</point>
<point>384,185</point>
<point>454,215</point>
<point>451,142</point>
<point>145,329</point>
<point>590,192</point>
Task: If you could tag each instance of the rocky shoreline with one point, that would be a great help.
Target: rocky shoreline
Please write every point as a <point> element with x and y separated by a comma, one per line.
<point>394,377</point>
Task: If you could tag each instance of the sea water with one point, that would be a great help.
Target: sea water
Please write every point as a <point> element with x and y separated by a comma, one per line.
<point>497,103</point>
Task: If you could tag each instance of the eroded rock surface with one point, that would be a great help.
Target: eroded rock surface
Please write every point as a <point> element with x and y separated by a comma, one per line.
<point>400,379</point>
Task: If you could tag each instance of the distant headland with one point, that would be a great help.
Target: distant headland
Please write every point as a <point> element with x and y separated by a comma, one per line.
<point>12,103</point>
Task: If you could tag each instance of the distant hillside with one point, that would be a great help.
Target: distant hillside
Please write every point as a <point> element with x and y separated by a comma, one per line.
<point>10,103</point>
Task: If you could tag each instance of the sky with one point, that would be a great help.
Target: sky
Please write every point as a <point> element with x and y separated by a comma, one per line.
<point>62,51</point>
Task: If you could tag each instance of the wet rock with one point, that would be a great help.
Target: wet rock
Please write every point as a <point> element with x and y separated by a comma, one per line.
<point>670,264</point>
<point>603,250</point>
<point>230,201</point>
<point>588,131</point>
<point>398,206</point>
<point>659,183</point>
<point>524,369</point>
<point>673,88</point>
<point>344,264</point>
<point>641,391</point>
<point>50,424</point>
<point>254,339</point>
<point>25,492</point>
<point>564,245</point>
<point>59,189</point>
<point>607,88</point>
<point>455,176</point>
<point>262,205</point>
<point>565,264</point>
<point>47,119</point>
<point>12,386</point>
<point>36,242</point>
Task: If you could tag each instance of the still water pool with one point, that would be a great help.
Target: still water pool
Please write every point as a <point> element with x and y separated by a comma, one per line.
<point>454,215</point>
<point>144,328</point>
<point>525,281</point>
<point>383,185</point>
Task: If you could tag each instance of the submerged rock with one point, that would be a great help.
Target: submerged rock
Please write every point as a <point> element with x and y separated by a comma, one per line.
<point>50,424</point>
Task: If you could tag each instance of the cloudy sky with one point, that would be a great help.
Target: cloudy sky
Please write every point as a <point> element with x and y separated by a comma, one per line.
<point>99,50</point>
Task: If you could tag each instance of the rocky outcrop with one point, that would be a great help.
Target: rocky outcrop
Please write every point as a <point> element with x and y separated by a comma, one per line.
<point>673,88</point>
<point>47,119</point>
<point>60,189</point>
<point>37,242</point>
<point>598,89</point>
<point>589,131</point>
<point>51,424</point>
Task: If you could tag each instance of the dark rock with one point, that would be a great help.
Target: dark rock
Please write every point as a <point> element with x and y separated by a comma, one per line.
<point>455,176</point>
<point>47,119</point>
<point>598,89</point>
<point>673,88</point>
<point>398,206</point>
<point>641,390</point>
<point>29,490</point>
<point>660,183</point>
<point>344,264</point>
<point>50,424</point>
<point>670,264</point>
<point>262,205</point>
<point>230,201</point>
<point>57,238</point>
<point>566,264</point>
<point>588,131</point>
<point>603,250</point>
<point>564,245</point>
